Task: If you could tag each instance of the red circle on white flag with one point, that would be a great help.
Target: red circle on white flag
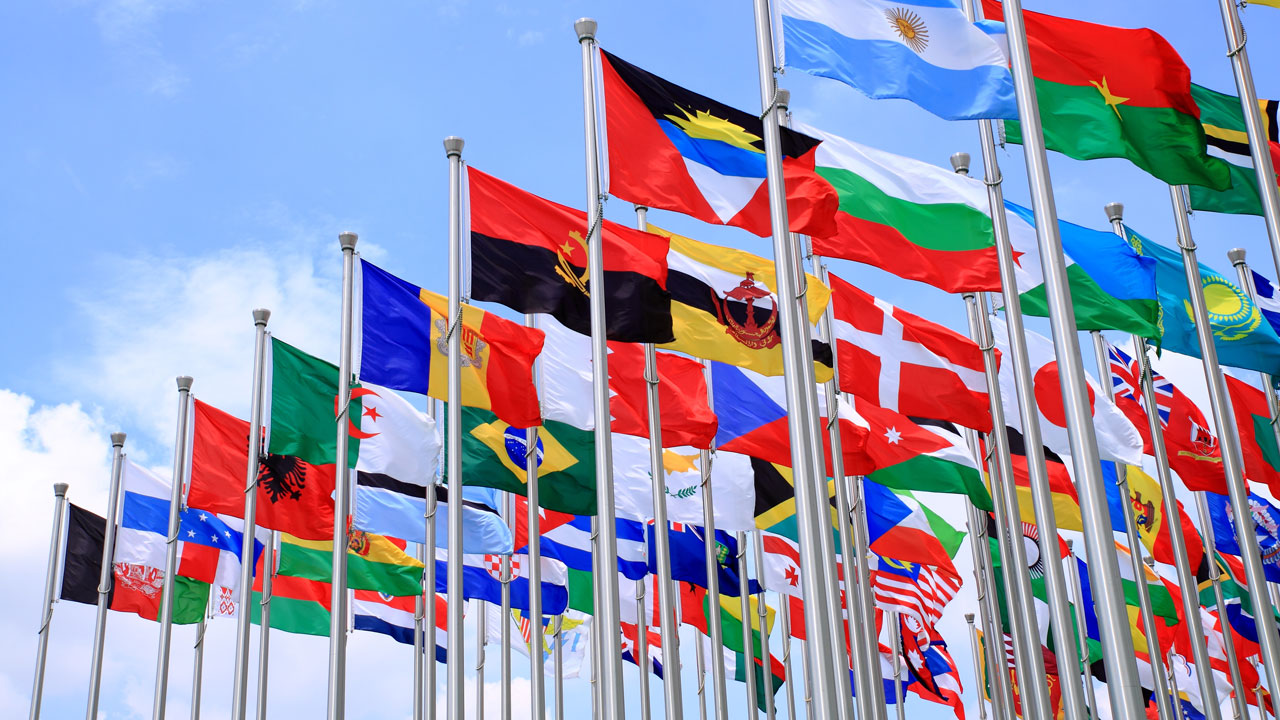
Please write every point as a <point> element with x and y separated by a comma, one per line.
<point>1048,391</point>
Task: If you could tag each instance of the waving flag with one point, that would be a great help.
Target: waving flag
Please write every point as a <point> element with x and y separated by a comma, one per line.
<point>918,454</point>
<point>631,647</point>
<point>570,543</point>
<point>674,149</point>
<point>917,591</point>
<point>298,605</point>
<point>482,578</point>
<point>374,562</point>
<point>394,617</point>
<point>1222,117</point>
<point>1266,525</point>
<point>900,531</point>
<point>688,558</point>
<point>1257,436</point>
<point>732,484</point>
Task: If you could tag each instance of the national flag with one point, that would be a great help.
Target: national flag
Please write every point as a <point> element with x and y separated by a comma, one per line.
<point>399,510</point>
<point>302,408</point>
<point>906,364</point>
<point>571,544</point>
<point>736,664</point>
<point>918,454</point>
<point>933,673</point>
<point>483,529</point>
<point>374,562</point>
<point>399,460</point>
<point>1146,504</point>
<point>1265,519</point>
<point>775,493</point>
<point>917,591</point>
<point>901,531</point>
<point>781,569</point>
<point>1264,294</point>
<point>530,254</point>
<point>548,520</point>
<point>394,617</point>
<point>689,558</point>
<point>1257,434</point>
<point>733,488</point>
<point>293,495</point>
<point>925,52</point>
<point>1242,337</point>
<point>1115,92</point>
<point>298,605</point>
<point>724,307</point>
<point>572,630</point>
<point>631,646</point>
<point>82,556</point>
<point>139,589</point>
<point>404,346</point>
<point>1118,439</point>
<point>482,579</point>
<point>1222,117</point>
<point>674,149</point>
<point>950,536</point>
<point>1062,490</point>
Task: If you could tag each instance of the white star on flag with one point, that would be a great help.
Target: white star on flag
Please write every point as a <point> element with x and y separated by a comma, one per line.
<point>203,517</point>
<point>893,436</point>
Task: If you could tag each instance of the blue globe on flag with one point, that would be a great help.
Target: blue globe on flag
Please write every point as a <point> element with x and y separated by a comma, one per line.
<point>514,441</point>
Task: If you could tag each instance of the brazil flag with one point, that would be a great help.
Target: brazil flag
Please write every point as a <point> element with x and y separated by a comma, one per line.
<point>493,455</point>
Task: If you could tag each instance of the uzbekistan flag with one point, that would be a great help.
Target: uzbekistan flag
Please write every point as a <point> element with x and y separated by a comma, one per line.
<point>674,149</point>
<point>403,347</point>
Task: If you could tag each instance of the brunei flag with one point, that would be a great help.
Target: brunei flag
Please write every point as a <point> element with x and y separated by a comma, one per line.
<point>404,346</point>
<point>724,308</point>
<point>530,254</point>
<point>674,149</point>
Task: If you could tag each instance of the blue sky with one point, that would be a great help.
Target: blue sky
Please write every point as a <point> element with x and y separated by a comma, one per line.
<point>172,164</point>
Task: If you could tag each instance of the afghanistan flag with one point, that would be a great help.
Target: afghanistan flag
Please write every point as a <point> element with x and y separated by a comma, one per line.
<point>1223,119</point>
<point>674,149</point>
<point>1116,92</point>
<point>530,254</point>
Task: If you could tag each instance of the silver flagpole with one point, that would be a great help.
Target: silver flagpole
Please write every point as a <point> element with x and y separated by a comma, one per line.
<point>711,549</point>
<point>668,623</point>
<point>977,667</point>
<point>1262,708</point>
<point>504,653</point>
<point>455,706</point>
<point>429,599</point>
<point>701,665</point>
<point>1240,701</point>
<point>1163,707</point>
<point>900,706</point>
<point>419,607</point>
<point>1229,439</point>
<point>50,584</point>
<point>1258,141</point>
<point>171,549</point>
<point>596,657</point>
<point>762,615</point>
<point>1173,686</point>
<point>342,494</point>
<point>1237,258</point>
<point>1182,563</point>
<point>1113,619</point>
<point>830,680</point>
<point>607,611</point>
<point>537,666</point>
<point>557,659</point>
<point>642,651</point>
<point>1077,589</point>
<point>104,580</point>
<point>197,674</point>
<point>482,635</point>
<point>240,684</point>
<point>264,621</point>
<point>748,645</point>
<point>784,618</point>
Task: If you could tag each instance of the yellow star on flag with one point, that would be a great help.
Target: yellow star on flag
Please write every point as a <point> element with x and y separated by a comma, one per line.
<point>1107,97</point>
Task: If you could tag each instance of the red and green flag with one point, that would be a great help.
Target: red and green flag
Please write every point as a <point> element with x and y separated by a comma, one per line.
<point>1257,436</point>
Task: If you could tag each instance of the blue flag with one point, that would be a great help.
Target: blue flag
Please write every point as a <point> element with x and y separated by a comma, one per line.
<point>1266,519</point>
<point>688,558</point>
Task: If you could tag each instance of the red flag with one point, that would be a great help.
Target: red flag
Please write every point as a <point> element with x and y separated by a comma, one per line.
<point>547,520</point>
<point>1257,437</point>
<point>687,419</point>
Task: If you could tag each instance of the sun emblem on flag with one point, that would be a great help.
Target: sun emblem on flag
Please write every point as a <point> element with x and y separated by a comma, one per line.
<point>910,28</point>
<point>1231,313</point>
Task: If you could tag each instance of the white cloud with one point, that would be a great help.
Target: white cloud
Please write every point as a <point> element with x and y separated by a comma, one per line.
<point>129,27</point>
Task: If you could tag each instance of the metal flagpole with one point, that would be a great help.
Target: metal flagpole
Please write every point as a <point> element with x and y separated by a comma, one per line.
<point>1229,441</point>
<point>504,653</point>
<point>557,659</point>
<point>784,618</point>
<point>419,606</point>
<point>1262,707</point>
<point>455,706</point>
<point>429,598</point>
<point>1182,563</point>
<point>50,584</point>
<point>1038,477</point>
<point>197,675</point>
<point>240,685</point>
<point>1163,707</point>
<point>762,615</point>
<point>607,611</point>
<point>1173,687</point>
<point>596,657</point>
<point>104,579</point>
<point>896,633</point>
<point>1023,627</point>
<point>1239,699</point>
<point>342,494</point>
<point>1237,258</point>
<point>748,645</point>
<point>482,634</point>
<point>642,651</point>
<point>533,516</point>
<point>810,482</point>
<point>1090,695</point>
<point>711,553</point>
<point>171,549</point>
<point>668,623</point>
<point>701,666</point>
<point>264,622</point>
<point>977,667</point>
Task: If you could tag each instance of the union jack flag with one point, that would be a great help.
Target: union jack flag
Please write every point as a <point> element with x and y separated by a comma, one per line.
<point>1126,383</point>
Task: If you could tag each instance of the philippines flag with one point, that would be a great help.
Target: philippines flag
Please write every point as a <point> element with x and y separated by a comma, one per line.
<point>900,531</point>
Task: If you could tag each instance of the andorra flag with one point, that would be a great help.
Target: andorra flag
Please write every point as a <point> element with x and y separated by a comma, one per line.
<point>674,149</point>
<point>404,346</point>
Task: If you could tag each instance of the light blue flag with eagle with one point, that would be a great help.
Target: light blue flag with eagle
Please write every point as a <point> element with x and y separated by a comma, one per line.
<point>1242,335</point>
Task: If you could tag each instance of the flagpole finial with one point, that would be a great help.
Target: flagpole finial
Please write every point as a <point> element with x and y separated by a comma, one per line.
<point>60,489</point>
<point>586,29</point>
<point>960,162</point>
<point>1236,256</point>
<point>1070,545</point>
<point>453,146</point>
<point>347,240</point>
<point>184,383</point>
<point>117,439</point>
<point>784,98</point>
<point>261,316</point>
<point>968,617</point>
<point>1115,211</point>
<point>1150,561</point>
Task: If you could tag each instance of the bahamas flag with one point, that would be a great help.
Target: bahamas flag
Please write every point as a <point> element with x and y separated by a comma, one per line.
<point>1243,336</point>
<point>403,347</point>
<point>674,149</point>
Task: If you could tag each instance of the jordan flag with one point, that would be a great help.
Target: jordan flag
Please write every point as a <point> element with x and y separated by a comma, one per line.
<point>1118,439</point>
<point>905,363</point>
<point>674,149</point>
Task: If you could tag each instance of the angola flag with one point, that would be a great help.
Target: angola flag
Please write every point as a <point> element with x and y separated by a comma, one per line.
<point>530,254</point>
<point>1116,92</point>
<point>404,347</point>
<point>674,149</point>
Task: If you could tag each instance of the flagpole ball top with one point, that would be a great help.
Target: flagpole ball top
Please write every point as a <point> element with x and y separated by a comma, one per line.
<point>586,29</point>
<point>784,98</point>
<point>1236,256</point>
<point>453,146</point>
<point>117,439</point>
<point>261,316</point>
<point>1115,211</point>
<point>60,489</point>
<point>960,162</point>
<point>347,240</point>
<point>1070,544</point>
<point>968,618</point>
<point>184,383</point>
<point>1150,561</point>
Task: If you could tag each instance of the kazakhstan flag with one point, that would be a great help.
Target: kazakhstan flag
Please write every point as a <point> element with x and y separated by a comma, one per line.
<point>1243,337</point>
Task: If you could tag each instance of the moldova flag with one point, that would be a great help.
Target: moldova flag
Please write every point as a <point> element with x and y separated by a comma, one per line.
<point>530,254</point>
<point>404,347</point>
<point>674,149</point>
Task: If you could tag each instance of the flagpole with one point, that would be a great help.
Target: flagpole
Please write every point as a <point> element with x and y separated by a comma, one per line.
<point>1174,701</point>
<point>1259,145</point>
<point>419,607</point>
<point>701,665</point>
<point>977,667</point>
<point>1163,706</point>
<point>429,594</point>
<point>642,651</point>
<point>1023,627</point>
<point>504,653</point>
<point>748,645</point>
<point>1237,258</point>
<point>607,612</point>
<point>762,614</point>
<point>784,617</point>
<point>50,585</point>
<point>896,633</point>
<point>557,658</point>
<point>197,674</point>
<point>1173,686</point>
<point>1229,441</point>
<point>668,625</point>
<point>455,706</point>
<point>264,620</point>
<point>1240,700</point>
<point>1181,556</point>
<point>711,555</point>
<point>1077,589</point>
<point>104,579</point>
<point>537,666</point>
<point>1262,708</point>
<point>482,635</point>
<point>171,550</point>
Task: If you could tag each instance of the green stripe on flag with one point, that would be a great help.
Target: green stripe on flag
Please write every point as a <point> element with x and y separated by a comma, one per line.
<point>291,615</point>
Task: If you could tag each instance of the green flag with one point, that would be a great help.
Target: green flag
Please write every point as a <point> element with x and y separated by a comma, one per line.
<point>304,391</point>
<point>1223,119</point>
